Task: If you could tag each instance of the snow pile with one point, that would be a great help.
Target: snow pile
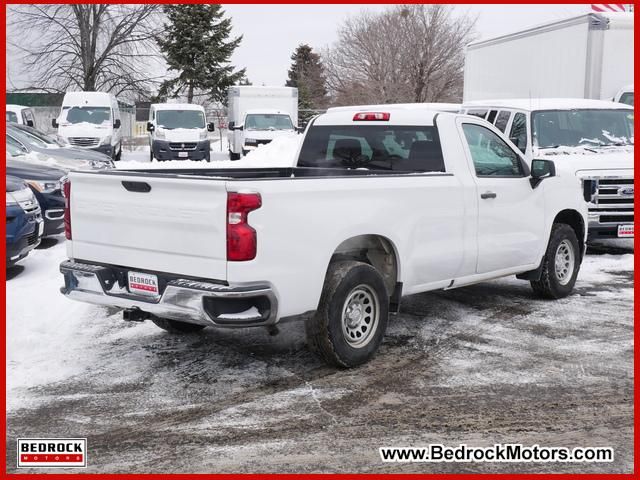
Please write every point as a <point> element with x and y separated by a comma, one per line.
<point>281,152</point>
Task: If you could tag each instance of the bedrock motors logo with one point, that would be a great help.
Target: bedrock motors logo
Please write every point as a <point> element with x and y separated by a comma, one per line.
<point>52,452</point>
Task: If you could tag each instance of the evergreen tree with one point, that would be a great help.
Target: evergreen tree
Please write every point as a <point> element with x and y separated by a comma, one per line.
<point>196,45</point>
<point>307,74</point>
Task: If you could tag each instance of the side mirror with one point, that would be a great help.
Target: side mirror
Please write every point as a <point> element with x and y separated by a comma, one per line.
<point>30,123</point>
<point>54,123</point>
<point>117,123</point>
<point>541,169</point>
<point>232,125</point>
<point>150,127</point>
<point>210,127</point>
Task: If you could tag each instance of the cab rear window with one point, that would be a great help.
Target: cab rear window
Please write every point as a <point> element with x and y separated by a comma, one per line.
<point>373,147</point>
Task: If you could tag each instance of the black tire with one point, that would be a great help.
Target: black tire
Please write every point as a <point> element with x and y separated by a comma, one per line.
<point>150,155</point>
<point>234,156</point>
<point>118,155</point>
<point>174,326</point>
<point>326,333</point>
<point>552,284</point>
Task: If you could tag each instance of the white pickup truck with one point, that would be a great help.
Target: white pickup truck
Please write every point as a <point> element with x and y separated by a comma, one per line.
<point>380,205</point>
<point>591,139</point>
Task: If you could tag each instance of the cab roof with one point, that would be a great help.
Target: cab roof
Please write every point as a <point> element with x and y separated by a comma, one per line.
<point>177,106</point>
<point>397,116</point>
<point>534,104</point>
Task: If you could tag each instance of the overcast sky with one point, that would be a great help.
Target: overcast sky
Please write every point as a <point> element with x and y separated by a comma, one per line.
<point>272,32</point>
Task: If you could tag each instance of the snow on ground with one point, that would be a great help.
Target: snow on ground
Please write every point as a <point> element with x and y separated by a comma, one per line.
<point>472,365</point>
<point>281,152</point>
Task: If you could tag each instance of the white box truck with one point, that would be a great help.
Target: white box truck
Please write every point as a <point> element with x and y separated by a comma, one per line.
<point>588,56</point>
<point>257,115</point>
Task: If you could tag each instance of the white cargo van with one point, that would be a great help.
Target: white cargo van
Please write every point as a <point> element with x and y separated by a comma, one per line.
<point>178,131</point>
<point>21,115</point>
<point>91,120</point>
<point>257,115</point>
<point>588,56</point>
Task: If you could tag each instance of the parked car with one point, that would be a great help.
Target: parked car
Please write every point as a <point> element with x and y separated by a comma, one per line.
<point>381,204</point>
<point>40,148</point>
<point>178,131</point>
<point>24,221</point>
<point>45,183</point>
<point>590,139</point>
<point>20,115</point>
<point>257,115</point>
<point>91,120</point>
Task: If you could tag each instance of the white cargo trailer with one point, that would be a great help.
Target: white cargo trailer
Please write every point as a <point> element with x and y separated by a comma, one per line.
<point>257,115</point>
<point>588,56</point>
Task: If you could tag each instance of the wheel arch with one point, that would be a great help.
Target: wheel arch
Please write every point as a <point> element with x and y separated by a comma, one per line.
<point>379,252</point>
<point>575,220</point>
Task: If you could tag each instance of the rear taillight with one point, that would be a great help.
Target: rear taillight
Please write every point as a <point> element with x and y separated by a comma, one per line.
<point>371,117</point>
<point>66,192</point>
<point>242,241</point>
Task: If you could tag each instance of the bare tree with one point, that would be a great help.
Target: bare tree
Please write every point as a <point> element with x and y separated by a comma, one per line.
<point>92,47</point>
<point>409,53</point>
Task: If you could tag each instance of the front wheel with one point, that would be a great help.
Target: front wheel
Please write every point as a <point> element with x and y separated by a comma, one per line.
<point>351,319</point>
<point>174,326</point>
<point>560,265</point>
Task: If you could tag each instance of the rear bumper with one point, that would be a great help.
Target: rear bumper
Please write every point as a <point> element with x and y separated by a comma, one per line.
<point>185,300</point>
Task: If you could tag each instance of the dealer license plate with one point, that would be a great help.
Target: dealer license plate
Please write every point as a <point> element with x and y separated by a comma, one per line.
<point>183,154</point>
<point>625,231</point>
<point>143,284</point>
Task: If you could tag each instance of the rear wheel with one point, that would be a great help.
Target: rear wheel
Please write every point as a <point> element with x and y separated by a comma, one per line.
<point>351,319</point>
<point>560,265</point>
<point>118,155</point>
<point>234,156</point>
<point>174,326</point>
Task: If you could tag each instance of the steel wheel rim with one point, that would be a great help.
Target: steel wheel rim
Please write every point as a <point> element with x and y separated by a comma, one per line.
<point>564,262</point>
<point>360,316</point>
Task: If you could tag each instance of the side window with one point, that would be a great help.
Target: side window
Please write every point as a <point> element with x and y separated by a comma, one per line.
<point>492,116</point>
<point>627,98</point>
<point>27,117</point>
<point>490,154</point>
<point>518,134</point>
<point>502,120</point>
<point>478,113</point>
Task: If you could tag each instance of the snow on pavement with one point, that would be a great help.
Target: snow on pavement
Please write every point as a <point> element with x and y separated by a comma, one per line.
<point>281,152</point>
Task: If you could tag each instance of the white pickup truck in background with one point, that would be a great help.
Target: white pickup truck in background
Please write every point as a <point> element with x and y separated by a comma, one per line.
<point>380,205</point>
<point>591,139</point>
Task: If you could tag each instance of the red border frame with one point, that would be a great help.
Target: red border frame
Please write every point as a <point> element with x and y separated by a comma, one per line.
<point>452,476</point>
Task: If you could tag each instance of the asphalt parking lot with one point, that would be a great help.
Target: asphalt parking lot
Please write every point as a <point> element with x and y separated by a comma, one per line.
<point>479,365</point>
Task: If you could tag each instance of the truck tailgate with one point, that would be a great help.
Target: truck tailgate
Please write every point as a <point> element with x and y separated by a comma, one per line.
<point>165,224</point>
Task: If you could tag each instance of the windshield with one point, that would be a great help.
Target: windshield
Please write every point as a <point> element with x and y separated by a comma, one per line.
<point>15,143</point>
<point>171,119</point>
<point>12,117</point>
<point>28,138</point>
<point>586,128</point>
<point>398,148</point>
<point>268,122</point>
<point>86,114</point>
<point>43,137</point>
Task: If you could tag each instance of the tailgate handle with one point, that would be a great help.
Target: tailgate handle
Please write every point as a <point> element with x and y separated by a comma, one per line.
<point>143,187</point>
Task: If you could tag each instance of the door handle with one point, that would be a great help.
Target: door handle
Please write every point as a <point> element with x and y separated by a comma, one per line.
<point>486,195</point>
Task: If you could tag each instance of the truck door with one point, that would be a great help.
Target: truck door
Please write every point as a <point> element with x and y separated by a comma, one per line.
<point>510,212</point>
